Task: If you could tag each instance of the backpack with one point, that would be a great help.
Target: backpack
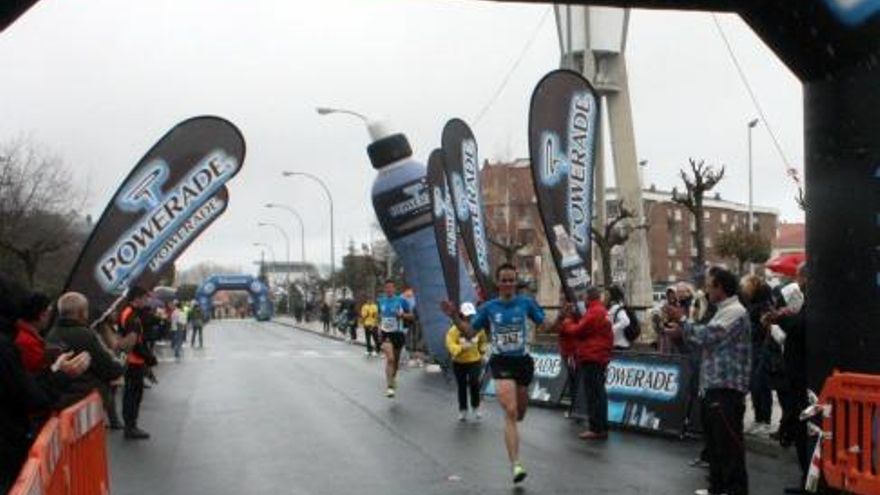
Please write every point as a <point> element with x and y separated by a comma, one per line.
<point>634,329</point>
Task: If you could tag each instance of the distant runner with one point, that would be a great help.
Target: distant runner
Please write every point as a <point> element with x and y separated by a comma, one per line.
<point>504,318</point>
<point>393,310</point>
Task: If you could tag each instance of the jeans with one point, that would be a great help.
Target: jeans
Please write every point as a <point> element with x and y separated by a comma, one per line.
<point>467,376</point>
<point>762,395</point>
<point>132,395</point>
<point>725,409</point>
<point>177,338</point>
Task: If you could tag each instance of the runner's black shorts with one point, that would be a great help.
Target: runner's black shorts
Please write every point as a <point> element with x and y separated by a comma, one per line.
<point>397,339</point>
<point>518,368</point>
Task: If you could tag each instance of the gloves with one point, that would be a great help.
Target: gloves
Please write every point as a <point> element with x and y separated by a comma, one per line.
<point>777,334</point>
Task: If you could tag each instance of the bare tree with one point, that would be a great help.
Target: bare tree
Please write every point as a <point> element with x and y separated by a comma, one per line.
<point>744,247</point>
<point>703,179</point>
<point>616,232</point>
<point>508,249</point>
<point>39,208</point>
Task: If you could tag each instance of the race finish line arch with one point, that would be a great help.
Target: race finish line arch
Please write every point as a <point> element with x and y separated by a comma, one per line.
<point>261,306</point>
<point>833,47</point>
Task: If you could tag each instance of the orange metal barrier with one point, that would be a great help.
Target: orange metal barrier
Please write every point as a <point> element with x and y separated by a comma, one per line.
<point>851,438</point>
<point>82,428</point>
<point>29,481</point>
<point>51,452</point>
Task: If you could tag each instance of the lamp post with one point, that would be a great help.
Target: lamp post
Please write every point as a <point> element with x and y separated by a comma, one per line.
<point>332,238</point>
<point>287,268</point>
<point>752,124</point>
<point>302,228</point>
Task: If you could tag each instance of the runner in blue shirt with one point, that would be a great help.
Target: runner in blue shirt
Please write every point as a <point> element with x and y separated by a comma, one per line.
<point>505,320</point>
<point>393,310</point>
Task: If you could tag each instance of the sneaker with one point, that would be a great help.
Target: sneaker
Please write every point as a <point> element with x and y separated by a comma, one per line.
<point>592,435</point>
<point>462,416</point>
<point>705,491</point>
<point>136,434</point>
<point>699,463</point>
<point>389,392</point>
<point>519,472</point>
<point>478,413</point>
<point>368,354</point>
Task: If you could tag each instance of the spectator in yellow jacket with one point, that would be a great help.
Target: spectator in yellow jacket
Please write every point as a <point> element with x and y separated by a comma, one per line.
<point>370,322</point>
<point>467,363</point>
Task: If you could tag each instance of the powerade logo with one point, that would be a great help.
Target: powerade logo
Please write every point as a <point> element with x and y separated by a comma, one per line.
<point>461,207</point>
<point>417,198</point>
<point>164,214</point>
<point>575,165</point>
<point>190,228</point>
<point>547,365</point>
<point>443,209</point>
<point>472,187</point>
<point>581,132</point>
<point>853,12</point>
<point>632,379</point>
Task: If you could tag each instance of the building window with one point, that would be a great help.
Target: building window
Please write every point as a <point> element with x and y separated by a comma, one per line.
<point>707,215</point>
<point>677,215</point>
<point>613,208</point>
<point>723,217</point>
<point>678,266</point>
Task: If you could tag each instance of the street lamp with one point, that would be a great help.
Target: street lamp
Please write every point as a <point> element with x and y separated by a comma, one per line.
<point>287,269</point>
<point>302,228</point>
<point>752,124</point>
<point>332,238</point>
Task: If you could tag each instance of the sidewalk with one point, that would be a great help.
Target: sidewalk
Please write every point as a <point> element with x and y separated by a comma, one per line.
<point>316,327</point>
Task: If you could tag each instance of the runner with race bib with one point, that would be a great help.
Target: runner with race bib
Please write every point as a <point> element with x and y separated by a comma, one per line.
<point>506,320</point>
<point>393,310</point>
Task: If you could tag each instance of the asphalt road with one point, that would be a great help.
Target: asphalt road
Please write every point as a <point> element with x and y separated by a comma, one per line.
<point>265,408</point>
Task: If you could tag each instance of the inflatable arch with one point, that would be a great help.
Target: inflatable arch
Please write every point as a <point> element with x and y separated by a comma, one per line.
<point>261,306</point>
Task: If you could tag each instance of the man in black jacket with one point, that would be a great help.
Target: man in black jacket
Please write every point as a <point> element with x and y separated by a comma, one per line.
<point>139,360</point>
<point>71,332</point>
<point>21,392</point>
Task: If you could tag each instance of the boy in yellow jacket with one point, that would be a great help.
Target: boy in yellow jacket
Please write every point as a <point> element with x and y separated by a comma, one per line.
<point>467,363</point>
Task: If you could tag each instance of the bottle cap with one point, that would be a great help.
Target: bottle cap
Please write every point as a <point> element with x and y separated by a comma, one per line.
<point>387,150</point>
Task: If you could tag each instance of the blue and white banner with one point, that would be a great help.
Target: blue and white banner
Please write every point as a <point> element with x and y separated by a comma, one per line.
<point>563,120</point>
<point>173,194</point>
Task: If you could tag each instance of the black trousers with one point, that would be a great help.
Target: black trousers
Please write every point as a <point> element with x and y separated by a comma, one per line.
<point>591,383</point>
<point>723,428</point>
<point>196,329</point>
<point>371,335</point>
<point>132,395</point>
<point>467,376</point>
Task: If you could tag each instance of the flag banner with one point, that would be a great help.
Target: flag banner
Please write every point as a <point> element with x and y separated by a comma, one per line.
<point>563,119</point>
<point>445,229</point>
<point>173,193</point>
<point>463,176</point>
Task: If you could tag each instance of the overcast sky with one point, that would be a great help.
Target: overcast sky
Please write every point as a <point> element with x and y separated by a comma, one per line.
<point>99,82</point>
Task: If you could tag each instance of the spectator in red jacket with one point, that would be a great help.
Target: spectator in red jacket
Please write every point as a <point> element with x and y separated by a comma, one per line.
<point>31,346</point>
<point>593,344</point>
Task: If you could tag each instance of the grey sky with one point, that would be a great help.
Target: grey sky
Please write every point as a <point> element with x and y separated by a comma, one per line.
<point>100,81</point>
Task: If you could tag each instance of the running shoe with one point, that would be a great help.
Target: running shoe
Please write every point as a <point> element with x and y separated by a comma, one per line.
<point>519,472</point>
<point>478,413</point>
<point>389,392</point>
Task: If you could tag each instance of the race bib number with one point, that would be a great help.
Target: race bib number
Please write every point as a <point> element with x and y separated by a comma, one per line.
<point>508,341</point>
<point>389,324</point>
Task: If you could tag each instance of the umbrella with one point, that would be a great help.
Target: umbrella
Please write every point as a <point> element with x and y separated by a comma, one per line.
<point>786,264</point>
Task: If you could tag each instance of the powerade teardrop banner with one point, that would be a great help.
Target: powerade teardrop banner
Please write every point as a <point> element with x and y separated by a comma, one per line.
<point>563,117</point>
<point>445,231</point>
<point>174,192</point>
<point>463,176</point>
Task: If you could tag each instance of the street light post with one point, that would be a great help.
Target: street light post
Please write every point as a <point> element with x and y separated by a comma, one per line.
<point>332,235</point>
<point>752,124</point>
<point>302,228</point>
<point>287,268</point>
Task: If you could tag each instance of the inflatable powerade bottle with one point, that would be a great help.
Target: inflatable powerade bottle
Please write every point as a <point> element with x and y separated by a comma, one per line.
<point>402,201</point>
